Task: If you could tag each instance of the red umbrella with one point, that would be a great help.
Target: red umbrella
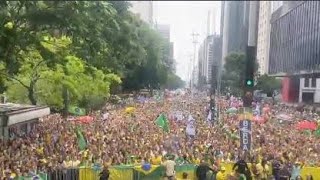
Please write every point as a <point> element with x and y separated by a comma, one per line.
<point>306,125</point>
<point>85,119</point>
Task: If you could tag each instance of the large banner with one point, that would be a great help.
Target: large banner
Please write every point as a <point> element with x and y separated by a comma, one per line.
<point>245,135</point>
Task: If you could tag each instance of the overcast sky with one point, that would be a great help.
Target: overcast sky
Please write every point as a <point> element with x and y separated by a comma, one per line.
<point>185,17</point>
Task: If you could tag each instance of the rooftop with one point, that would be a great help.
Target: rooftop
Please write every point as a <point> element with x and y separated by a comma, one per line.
<point>11,108</point>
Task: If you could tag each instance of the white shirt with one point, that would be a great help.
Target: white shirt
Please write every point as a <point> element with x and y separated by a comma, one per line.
<point>169,166</point>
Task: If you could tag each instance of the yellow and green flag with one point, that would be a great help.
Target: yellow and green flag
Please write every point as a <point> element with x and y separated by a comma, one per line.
<point>82,143</point>
<point>162,122</point>
<point>77,111</point>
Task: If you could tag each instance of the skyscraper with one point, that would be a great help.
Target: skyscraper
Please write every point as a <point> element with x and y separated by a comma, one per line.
<point>234,29</point>
<point>144,9</point>
<point>263,44</point>
<point>164,30</point>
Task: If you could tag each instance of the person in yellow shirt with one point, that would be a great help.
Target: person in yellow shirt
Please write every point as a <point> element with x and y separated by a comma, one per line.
<point>262,170</point>
<point>156,159</point>
<point>221,175</point>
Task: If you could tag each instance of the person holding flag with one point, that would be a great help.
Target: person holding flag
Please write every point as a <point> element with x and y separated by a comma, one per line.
<point>163,123</point>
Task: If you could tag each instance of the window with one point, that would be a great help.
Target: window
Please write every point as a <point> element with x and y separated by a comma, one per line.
<point>314,82</point>
<point>306,82</point>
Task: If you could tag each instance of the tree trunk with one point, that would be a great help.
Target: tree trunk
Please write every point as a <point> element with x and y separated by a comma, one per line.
<point>31,94</point>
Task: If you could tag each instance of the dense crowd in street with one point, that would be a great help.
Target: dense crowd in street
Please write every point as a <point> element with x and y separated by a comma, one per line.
<point>132,138</point>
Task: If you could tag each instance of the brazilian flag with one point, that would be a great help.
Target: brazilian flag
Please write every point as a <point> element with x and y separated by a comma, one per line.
<point>82,143</point>
<point>77,111</point>
<point>163,123</point>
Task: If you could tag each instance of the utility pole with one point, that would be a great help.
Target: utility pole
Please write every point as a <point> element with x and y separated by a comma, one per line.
<point>189,69</point>
<point>195,42</point>
<point>246,112</point>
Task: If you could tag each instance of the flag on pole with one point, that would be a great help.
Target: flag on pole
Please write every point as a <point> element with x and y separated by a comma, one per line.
<point>77,111</point>
<point>82,144</point>
<point>162,122</point>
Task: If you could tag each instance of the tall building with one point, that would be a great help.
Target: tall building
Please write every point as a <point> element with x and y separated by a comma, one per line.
<point>209,56</point>
<point>144,9</point>
<point>164,30</point>
<point>205,59</point>
<point>263,43</point>
<point>294,50</point>
<point>171,56</point>
<point>234,30</point>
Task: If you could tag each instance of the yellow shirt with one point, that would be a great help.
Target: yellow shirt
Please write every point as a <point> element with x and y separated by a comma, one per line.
<point>40,150</point>
<point>156,160</point>
<point>221,176</point>
<point>263,172</point>
<point>196,161</point>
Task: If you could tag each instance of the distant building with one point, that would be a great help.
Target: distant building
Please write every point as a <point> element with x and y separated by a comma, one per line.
<point>234,29</point>
<point>164,30</point>
<point>144,9</point>
<point>263,43</point>
<point>209,55</point>
<point>171,57</point>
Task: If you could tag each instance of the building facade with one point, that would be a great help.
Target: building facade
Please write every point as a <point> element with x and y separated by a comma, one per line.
<point>234,30</point>
<point>164,30</point>
<point>205,59</point>
<point>144,9</point>
<point>209,55</point>
<point>263,39</point>
<point>295,48</point>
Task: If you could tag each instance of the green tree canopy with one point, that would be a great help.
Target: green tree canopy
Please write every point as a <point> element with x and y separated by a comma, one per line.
<point>268,84</point>
<point>82,46</point>
<point>233,75</point>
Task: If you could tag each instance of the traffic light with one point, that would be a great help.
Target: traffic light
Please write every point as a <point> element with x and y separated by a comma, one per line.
<point>249,82</point>
<point>250,66</point>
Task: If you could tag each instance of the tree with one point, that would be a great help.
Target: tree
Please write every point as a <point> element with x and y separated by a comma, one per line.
<point>44,84</point>
<point>33,64</point>
<point>48,46</point>
<point>233,75</point>
<point>174,82</point>
<point>268,84</point>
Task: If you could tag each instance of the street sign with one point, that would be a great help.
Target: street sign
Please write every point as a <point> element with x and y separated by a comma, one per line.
<point>245,135</point>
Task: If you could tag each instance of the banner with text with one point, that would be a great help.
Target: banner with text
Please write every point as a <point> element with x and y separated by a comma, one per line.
<point>245,135</point>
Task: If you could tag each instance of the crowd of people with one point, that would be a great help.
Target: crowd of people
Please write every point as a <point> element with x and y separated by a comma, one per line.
<point>278,150</point>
